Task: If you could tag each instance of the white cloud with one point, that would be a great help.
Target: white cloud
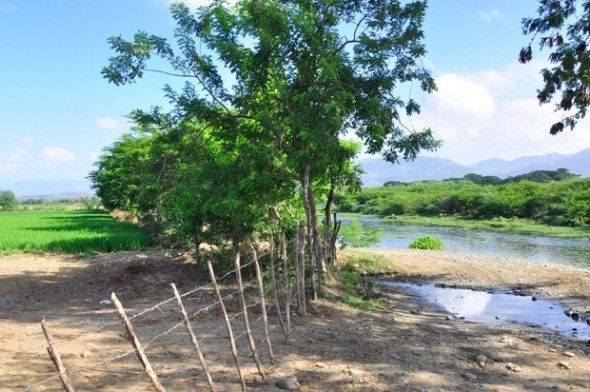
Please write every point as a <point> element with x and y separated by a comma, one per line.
<point>17,156</point>
<point>52,155</point>
<point>108,124</point>
<point>489,14</point>
<point>461,96</point>
<point>514,123</point>
<point>8,7</point>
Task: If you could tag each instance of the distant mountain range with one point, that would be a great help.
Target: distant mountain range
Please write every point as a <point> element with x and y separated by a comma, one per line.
<point>378,171</point>
<point>49,189</point>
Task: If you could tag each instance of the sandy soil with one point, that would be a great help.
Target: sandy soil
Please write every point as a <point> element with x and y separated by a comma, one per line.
<point>405,346</point>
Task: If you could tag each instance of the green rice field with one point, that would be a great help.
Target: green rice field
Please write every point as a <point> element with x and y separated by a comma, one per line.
<point>65,231</point>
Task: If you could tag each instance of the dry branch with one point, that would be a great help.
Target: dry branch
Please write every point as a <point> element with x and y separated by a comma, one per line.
<point>275,290</point>
<point>56,358</point>
<point>232,342</point>
<point>251,341</point>
<point>132,337</point>
<point>262,302</point>
<point>191,333</point>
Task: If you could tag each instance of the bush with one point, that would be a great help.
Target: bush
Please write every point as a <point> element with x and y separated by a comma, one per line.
<point>427,242</point>
<point>356,235</point>
<point>8,201</point>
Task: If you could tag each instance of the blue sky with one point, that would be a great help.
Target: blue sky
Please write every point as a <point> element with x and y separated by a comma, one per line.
<point>57,113</point>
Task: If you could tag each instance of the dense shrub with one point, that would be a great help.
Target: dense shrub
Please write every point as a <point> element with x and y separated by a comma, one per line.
<point>427,242</point>
<point>562,203</point>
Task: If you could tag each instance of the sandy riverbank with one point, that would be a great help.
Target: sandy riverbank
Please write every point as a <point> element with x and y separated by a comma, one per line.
<point>403,346</point>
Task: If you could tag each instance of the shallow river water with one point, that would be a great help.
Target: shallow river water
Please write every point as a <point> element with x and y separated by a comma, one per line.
<point>497,308</point>
<point>528,246</point>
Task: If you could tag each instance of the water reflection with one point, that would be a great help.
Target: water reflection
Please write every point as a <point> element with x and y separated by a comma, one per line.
<point>496,308</point>
<point>534,247</point>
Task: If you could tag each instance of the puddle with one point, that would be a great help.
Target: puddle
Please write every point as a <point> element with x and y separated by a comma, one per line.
<point>496,308</point>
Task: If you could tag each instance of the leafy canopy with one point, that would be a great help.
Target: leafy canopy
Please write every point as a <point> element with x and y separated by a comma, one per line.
<point>563,28</point>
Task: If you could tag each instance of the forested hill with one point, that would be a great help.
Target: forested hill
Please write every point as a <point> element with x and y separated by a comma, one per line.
<point>377,171</point>
<point>563,200</point>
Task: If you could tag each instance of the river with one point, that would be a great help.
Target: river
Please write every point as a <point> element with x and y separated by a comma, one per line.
<point>527,246</point>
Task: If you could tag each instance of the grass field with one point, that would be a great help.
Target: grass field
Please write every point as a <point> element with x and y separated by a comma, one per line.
<point>67,232</point>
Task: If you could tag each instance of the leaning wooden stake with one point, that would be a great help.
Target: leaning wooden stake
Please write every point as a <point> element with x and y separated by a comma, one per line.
<point>56,358</point>
<point>275,290</point>
<point>191,333</point>
<point>137,345</point>
<point>249,334</point>
<point>300,268</point>
<point>230,333</point>
<point>287,291</point>
<point>262,302</point>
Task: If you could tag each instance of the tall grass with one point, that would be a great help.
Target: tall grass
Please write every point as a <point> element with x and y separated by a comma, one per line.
<point>65,231</point>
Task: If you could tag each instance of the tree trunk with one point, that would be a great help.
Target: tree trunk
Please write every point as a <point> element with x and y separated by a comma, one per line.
<point>328,230</point>
<point>311,238</point>
<point>300,268</point>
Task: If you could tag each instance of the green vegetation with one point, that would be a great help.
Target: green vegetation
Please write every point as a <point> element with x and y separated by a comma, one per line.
<point>67,232</point>
<point>427,242</point>
<point>356,235</point>
<point>507,225</point>
<point>561,27</point>
<point>8,201</point>
<point>359,290</point>
<point>253,140</point>
<point>557,203</point>
<point>534,176</point>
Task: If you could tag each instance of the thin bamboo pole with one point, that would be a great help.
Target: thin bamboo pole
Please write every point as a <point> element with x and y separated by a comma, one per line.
<point>287,291</point>
<point>191,333</point>
<point>230,333</point>
<point>300,268</point>
<point>262,302</point>
<point>249,334</point>
<point>132,337</point>
<point>56,358</point>
<point>275,290</point>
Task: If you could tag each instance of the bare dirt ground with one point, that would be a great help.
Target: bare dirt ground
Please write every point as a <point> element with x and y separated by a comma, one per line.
<point>404,346</point>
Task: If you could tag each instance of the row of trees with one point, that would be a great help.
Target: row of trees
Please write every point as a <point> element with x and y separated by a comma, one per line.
<point>564,203</point>
<point>256,137</point>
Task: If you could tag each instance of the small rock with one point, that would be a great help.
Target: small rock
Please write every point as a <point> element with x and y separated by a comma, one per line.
<point>449,317</point>
<point>569,354</point>
<point>469,376</point>
<point>513,367</point>
<point>481,360</point>
<point>552,350</point>
<point>320,365</point>
<point>533,298</point>
<point>564,364</point>
<point>288,384</point>
<point>105,302</point>
<point>86,354</point>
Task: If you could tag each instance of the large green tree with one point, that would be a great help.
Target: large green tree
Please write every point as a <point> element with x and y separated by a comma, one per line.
<point>563,28</point>
<point>282,82</point>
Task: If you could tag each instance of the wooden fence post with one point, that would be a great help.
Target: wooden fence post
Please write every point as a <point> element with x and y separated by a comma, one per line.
<point>300,268</point>
<point>191,333</point>
<point>232,342</point>
<point>245,314</point>
<point>287,291</point>
<point>132,337</point>
<point>275,289</point>
<point>262,302</point>
<point>56,358</point>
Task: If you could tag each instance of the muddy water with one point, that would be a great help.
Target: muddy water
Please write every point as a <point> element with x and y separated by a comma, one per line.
<point>497,308</point>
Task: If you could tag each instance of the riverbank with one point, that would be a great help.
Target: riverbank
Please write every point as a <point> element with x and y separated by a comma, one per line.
<point>400,345</point>
<point>512,225</point>
<point>568,285</point>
